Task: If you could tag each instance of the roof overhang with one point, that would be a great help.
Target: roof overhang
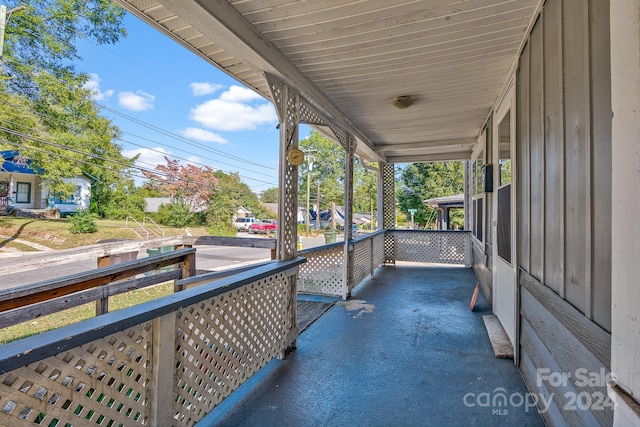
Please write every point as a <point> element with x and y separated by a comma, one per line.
<point>350,59</point>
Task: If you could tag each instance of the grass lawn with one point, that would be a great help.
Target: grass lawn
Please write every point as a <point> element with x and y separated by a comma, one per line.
<point>82,312</point>
<point>55,234</point>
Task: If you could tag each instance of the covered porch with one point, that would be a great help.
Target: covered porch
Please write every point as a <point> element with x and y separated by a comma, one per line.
<point>521,90</point>
<point>405,350</point>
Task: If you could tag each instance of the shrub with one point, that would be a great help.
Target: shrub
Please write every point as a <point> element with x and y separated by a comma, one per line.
<point>84,222</point>
<point>175,215</point>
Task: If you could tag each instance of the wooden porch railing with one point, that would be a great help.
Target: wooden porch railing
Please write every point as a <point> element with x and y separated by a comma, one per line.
<point>169,361</point>
<point>32,301</point>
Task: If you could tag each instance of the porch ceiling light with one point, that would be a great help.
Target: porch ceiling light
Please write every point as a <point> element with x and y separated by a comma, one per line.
<point>403,101</point>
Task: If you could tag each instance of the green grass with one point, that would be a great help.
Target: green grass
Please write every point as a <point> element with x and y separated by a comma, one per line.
<point>82,312</point>
<point>55,233</point>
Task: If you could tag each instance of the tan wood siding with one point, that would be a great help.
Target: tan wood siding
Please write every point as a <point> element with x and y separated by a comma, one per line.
<point>601,166</point>
<point>577,139</point>
<point>536,153</point>
<point>554,219</point>
<point>556,337</point>
<point>523,192</point>
<point>564,202</point>
<point>564,155</point>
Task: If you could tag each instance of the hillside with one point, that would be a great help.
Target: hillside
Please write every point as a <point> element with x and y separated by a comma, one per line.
<point>29,234</point>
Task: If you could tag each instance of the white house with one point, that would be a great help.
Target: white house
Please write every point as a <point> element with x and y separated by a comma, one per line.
<point>22,188</point>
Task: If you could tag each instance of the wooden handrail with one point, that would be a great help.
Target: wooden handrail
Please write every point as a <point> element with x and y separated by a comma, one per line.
<point>53,288</point>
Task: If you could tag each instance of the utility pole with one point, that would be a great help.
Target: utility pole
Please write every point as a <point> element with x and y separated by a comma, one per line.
<point>3,24</point>
<point>306,216</point>
<point>4,18</point>
<point>318,210</point>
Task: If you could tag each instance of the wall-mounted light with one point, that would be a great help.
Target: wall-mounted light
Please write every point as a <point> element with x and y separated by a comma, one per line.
<point>402,102</point>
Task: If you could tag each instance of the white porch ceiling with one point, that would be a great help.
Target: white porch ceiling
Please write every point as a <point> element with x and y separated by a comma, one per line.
<point>350,58</point>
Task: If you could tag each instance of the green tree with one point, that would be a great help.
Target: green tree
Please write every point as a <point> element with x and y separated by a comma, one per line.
<point>47,114</point>
<point>328,169</point>
<point>120,201</point>
<point>365,189</point>
<point>270,195</point>
<point>421,181</point>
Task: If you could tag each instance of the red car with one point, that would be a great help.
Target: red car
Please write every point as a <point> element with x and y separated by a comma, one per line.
<point>265,226</point>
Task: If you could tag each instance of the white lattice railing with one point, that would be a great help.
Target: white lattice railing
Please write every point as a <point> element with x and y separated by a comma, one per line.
<point>323,273</point>
<point>165,362</point>
<point>366,254</point>
<point>432,246</point>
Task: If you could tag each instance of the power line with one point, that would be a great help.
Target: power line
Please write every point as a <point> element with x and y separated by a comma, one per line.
<point>91,155</point>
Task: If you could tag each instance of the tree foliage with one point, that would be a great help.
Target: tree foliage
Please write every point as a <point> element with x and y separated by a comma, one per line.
<point>270,195</point>
<point>47,114</point>
<point>421,181</point>
<point>327,159</point>
<point>185,184</point>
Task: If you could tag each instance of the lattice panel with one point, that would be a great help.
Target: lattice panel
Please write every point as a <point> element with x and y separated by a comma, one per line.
<point>309,116</point>
<point>323,272</point>
<point>348,185</point>
<point>290,211</point>
<point>105,382</point>
<point>362,262</point>
<point>444,247</point>
<point>378,250</point>
<point>388,195</point>
<point>389,248</point>
<point>276,89</point>
<point>224,341</point>
<point>343,137</point>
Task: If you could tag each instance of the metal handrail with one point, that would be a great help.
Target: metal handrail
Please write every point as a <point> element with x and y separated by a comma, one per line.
<point>126,225</point>
<point>154,223</point>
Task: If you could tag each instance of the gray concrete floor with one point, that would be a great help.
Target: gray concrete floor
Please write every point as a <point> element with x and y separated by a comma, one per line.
<point>404,351</point>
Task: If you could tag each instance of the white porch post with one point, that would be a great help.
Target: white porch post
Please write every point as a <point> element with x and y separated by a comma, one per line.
<point>625,202</point>
<point>350,150</point>
<point>288,108</point>
<point>387,205</point>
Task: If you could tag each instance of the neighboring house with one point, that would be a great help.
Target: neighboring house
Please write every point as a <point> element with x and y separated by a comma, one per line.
<point>443,206</point>
<point>21,188</point>
<point>152,204</point>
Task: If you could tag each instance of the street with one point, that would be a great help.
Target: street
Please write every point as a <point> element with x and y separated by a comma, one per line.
<point>207,258</point>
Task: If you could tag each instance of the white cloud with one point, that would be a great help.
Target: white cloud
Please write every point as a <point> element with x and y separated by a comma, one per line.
<point>93,84</point>
<point>239,94</point>
<point>149,157</point>
<point>203,135</point>
<point>232,111</point>
<point>204,88</point>
<point>138,101</point>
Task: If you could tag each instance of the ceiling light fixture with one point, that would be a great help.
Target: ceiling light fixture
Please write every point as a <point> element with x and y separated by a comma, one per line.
<point>403,101</point>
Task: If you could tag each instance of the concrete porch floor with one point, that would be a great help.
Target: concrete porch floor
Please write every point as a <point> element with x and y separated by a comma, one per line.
<point>405,350</point>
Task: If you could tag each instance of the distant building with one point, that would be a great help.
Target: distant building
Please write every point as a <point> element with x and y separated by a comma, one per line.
<point>21,188</point>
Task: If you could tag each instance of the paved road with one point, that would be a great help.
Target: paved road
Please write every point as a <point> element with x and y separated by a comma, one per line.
<point>207,258</point>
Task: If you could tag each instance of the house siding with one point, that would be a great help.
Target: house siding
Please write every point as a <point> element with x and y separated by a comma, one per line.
<point>564,202</point>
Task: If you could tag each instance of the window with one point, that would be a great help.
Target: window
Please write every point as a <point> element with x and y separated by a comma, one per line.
<point>4,189</point>
<point>477,184</point>
<point>23,192</point>
<point>72,199</point>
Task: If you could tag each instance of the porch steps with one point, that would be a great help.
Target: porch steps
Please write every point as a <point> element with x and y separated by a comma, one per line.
<point>502,347</point>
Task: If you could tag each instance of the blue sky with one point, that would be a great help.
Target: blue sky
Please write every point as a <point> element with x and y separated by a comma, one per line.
<point>166,100</point>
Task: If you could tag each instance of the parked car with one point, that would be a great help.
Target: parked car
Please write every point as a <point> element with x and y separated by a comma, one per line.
<point>265,226</point>
<point>244,224</point>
